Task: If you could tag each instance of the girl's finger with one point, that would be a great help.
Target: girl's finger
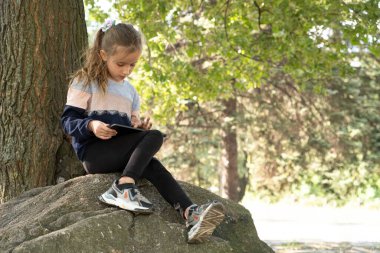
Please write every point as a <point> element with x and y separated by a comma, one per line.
<point>104,137</point>
<point>109,131</point>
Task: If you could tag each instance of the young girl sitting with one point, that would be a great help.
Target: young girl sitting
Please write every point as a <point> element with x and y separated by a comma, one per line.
<point>99,96</point>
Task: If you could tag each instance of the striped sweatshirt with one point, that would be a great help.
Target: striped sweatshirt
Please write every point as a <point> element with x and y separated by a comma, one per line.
<point>84,104</point>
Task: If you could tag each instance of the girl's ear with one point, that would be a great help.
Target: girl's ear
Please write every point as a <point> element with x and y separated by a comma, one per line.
<point>103,55</point>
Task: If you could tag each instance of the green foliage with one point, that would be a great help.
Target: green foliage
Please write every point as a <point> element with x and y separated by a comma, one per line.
<point>307,120</point>
<point>197,47</point>
<point>329,149</point>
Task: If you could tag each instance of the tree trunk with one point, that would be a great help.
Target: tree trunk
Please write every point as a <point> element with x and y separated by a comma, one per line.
<point>40,45</point>
<point>229,164</point>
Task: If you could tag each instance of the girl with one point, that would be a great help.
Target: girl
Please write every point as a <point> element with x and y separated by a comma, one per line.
<point>98,96</point>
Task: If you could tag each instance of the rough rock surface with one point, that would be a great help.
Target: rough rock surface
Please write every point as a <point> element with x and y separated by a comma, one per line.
<point>67,217</point>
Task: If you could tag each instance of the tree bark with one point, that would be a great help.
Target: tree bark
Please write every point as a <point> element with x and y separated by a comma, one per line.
<point>40,45</point>
<point>229,173</point>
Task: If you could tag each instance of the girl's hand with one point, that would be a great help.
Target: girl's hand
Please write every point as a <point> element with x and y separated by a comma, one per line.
<point>135,121</point>
<point>146,124</point>
<point>101,130</point>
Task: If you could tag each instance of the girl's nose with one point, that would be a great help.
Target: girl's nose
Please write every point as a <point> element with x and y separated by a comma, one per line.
<point>127,71</point>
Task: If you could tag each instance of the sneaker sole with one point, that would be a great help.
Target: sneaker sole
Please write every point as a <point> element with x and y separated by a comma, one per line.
<point>130,208</point>
<point>213,217</point>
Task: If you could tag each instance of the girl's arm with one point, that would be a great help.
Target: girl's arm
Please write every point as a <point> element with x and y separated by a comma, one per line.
<point>74,120</point>
<point>75,123</point>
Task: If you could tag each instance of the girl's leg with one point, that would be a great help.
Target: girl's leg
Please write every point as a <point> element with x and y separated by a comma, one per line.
<point>128,154</point>
<point>143,153</point>
<point>201,221</point>
<point>167,186</point>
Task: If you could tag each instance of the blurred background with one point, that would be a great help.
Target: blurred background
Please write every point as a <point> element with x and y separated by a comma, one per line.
<point>274,104</point>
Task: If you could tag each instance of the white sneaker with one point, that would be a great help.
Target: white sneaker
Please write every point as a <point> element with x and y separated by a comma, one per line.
<point>128,197</point>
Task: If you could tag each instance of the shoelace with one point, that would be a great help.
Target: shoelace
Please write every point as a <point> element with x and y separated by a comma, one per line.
<point>194,209</point>
<point>140,196</point>
<point>194,212</point>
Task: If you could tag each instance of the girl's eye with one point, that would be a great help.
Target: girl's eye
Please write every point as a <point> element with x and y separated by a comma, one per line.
<point>132,65</point>
<point>120,64</point>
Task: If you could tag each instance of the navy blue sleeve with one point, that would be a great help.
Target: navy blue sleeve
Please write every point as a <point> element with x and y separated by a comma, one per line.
<point>74,123</point>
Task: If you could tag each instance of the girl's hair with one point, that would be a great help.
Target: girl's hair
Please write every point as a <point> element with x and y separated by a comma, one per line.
<point>94,68</point>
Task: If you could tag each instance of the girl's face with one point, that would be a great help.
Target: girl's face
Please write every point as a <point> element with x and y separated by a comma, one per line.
<point>121,63</point>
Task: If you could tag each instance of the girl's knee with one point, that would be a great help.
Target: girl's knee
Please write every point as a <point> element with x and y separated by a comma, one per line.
<point>159,138</point>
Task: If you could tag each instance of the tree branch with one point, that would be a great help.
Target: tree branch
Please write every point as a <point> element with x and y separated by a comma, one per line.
<point>254,58</point>
<point>259,17</point>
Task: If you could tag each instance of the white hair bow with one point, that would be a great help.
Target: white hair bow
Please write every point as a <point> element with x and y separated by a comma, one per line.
<point>108,24</point>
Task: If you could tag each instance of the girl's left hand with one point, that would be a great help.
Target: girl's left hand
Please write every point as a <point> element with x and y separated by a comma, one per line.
<point>136,122</point>
<point>146,124</point>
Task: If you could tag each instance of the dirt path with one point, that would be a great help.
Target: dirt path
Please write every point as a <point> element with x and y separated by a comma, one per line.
<point>292,228</point>
<point>325,247</point>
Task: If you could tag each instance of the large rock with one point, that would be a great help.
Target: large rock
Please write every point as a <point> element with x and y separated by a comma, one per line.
<point>68,217</point>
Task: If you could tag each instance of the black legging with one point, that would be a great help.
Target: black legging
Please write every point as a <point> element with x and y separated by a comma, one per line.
<point>132,154</point>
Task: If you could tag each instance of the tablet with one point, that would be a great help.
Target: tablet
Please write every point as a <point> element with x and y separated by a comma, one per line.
<point>122,129</point>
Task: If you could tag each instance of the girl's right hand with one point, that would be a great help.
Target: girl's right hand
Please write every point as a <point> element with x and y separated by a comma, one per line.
<point>101,130</point>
